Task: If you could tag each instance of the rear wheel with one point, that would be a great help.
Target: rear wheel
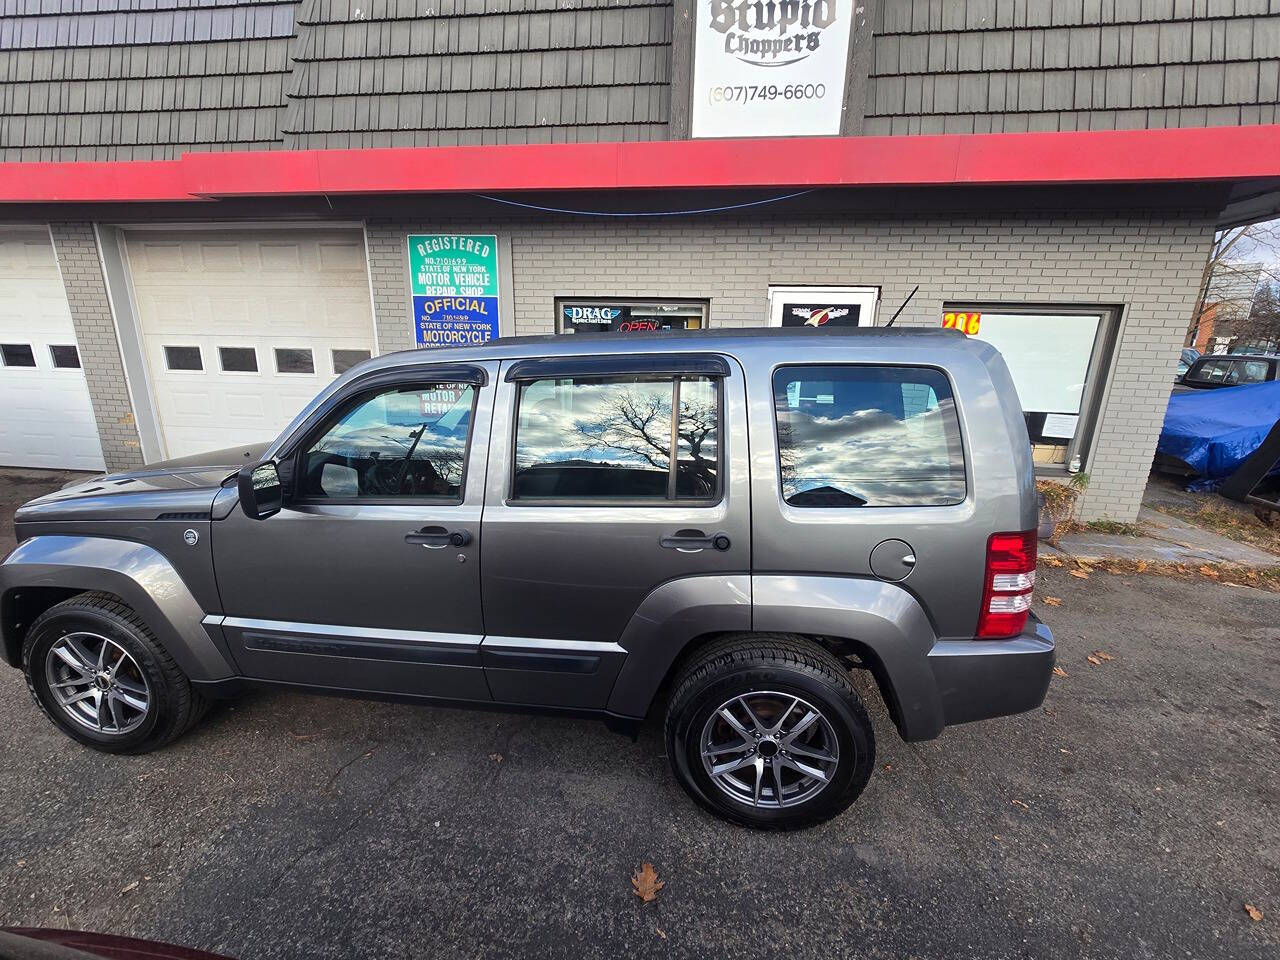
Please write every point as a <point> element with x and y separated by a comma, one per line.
<point>768,731</point>
<point>98,672</point>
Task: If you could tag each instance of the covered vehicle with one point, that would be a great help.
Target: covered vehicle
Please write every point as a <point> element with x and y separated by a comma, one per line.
<point>1212,432</point>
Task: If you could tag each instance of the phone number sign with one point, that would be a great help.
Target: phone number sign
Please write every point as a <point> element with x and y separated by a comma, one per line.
<point>453,280</point>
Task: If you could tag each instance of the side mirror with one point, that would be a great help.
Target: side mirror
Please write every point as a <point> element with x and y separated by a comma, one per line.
<point>260,493</point>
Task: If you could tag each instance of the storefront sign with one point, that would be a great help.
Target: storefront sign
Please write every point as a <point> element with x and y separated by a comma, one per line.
<point>820,314</point>
<point>630,317</point>
<point>770,68</point>
<point>966,323</point>
<point>453,279</point>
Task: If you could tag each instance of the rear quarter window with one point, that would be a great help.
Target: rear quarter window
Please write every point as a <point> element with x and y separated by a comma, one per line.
<point>861,436</point>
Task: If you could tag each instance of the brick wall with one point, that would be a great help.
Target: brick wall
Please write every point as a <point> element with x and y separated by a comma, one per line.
<point>77,250</point>
<point>1149,266</point>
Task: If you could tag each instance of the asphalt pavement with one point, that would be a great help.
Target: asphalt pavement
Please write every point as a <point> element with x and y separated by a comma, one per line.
<point>1133,816</point>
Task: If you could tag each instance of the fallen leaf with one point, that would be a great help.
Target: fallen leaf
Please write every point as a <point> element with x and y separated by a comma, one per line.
<point>1094,660</point>
<point>130,888</point>
<point>1053,601</point>
<point>1080,573</point>
<point>646,883</point>
<point>1059,672</point>
<point>496,757</point>
<point>1103,655</point>
<point>1051,561</point>
<point>1142,565</point>
<point>1254,913</point>
<point>1021,804</point>
<point>660,932</point>
<point>888,766</point>
<point>1210,572</point>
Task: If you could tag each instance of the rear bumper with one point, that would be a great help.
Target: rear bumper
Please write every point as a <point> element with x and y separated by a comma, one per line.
<point>980,679</point>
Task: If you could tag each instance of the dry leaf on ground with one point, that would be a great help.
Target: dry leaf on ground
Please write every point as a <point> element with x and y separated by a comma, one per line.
<point>1142,565</point>
<point>1080,573</point>
<point>1051,561</point>
<point>1210,572</point>
<point>1053,601</point>
<point>646,883</point>
<point>1020,804</point>
<point>1094,660</point>
<point>1103,655</point>
<point>130,888</point>
<point>1254,913</point>
<point>496,757</point>
<point>1059,672</point>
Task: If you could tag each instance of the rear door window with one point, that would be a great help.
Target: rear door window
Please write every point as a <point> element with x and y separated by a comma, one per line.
<point>859,436</point>
<point>615,438</point>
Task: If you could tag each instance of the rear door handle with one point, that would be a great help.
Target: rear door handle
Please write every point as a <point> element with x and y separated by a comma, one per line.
<point>691,541</point>
<point>436,538</point>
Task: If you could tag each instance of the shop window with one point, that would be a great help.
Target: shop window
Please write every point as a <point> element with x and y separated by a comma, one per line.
<point>64,357</point>
<point>294,360</point>
<point>344,360</point>
<point>238,359</point>
<point>856,436</point>
<point>610,439</point>
<point>628,317</point>
<point>17,355</point>
<point>183,358</point>
<point>1055,358</point>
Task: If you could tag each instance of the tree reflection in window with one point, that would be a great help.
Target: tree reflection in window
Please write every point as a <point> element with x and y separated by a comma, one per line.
<point>407,442</point>
<point>611,438</point>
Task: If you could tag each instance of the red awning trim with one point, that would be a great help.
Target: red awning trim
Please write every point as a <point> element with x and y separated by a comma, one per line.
<point>1119,156</point>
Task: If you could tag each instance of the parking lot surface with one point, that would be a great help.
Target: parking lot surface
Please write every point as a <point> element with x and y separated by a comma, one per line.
<point>1133,816</point>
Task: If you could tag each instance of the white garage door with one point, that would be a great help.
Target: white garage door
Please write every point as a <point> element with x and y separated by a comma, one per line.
<point>241,328</point>
<point>46,419</point>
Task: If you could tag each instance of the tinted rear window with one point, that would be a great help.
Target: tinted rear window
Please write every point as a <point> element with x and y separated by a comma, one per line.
<point>854,436</point>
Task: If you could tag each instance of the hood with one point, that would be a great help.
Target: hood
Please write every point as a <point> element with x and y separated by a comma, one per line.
<point>181,489</point>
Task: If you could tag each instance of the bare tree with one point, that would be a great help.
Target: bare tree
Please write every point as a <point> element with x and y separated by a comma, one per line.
<point>638,422</point>
<point>1239,254</point>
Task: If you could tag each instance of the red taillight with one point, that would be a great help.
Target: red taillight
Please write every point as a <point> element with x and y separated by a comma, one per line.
<point>1007,583</point>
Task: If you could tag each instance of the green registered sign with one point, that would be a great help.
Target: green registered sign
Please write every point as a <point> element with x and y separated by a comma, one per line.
<point>453,281</point>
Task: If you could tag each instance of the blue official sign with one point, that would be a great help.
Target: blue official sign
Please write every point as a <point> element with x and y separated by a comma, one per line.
<point>453,279</point>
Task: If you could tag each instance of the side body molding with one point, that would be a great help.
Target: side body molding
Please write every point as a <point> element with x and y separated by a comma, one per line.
<point>665,622</point>
<point>882,617</point>
<point>136,573</point>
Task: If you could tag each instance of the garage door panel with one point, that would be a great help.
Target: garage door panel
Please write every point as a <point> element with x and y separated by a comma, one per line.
<point>46,419</point>
<point>280,290</point>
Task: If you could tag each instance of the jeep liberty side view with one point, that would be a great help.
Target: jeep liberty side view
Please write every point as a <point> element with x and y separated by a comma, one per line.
<point>723,523</point>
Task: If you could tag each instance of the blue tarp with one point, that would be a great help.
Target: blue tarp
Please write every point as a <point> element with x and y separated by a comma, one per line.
<point>1214,431</point>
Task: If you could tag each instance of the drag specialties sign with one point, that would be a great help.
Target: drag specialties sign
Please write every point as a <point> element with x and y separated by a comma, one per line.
<point>453,280</point>
<point>820,314</point>
<point>770,68</point>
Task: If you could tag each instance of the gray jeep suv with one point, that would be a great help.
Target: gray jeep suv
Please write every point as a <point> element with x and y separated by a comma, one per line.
<point>725,522</point>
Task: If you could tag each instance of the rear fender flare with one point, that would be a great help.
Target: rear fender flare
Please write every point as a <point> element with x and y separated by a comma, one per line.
<point>139,575</point>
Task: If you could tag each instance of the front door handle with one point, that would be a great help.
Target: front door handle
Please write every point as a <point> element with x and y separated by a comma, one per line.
<point>691,541</point>
<point>436,538</point>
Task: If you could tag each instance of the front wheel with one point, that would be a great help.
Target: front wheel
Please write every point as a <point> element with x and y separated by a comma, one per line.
<point>767,731</point>
<point>98,672</point>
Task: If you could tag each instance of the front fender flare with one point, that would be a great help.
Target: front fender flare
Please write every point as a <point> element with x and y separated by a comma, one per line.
<point>139,575</point>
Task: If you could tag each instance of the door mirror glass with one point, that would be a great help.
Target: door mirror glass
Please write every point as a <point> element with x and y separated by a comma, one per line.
<point>260,493</point>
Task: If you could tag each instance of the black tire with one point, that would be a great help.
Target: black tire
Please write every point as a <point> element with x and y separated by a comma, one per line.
<point>789,665</point>
<point>175,706</point>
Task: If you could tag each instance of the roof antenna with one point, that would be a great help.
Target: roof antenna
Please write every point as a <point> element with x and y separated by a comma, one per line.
<point>898,312</point>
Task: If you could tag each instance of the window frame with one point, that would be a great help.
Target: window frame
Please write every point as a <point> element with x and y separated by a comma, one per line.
<point>168,368</point>
<point>669,501</point>
<point>275,362</point>
<point>33,365</point>
<point>561,302</point>
<point>349,402</point>
<point>257,366</point>
<point>1098,375</point>
<point>965,453</point>
<point>53,357</point>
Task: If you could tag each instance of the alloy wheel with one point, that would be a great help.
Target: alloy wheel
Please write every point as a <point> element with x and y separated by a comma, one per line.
<point>769,749</point>
<point>97,684</point>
